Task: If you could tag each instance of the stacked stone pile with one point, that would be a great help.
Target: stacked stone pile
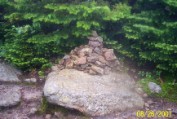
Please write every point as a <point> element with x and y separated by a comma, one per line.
<point>92,58</point>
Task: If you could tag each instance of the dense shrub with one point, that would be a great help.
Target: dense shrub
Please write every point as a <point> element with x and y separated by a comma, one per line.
<point>42,30</point>
<point>144,31</point>
<point>2,24</point>
<point>148,35</point>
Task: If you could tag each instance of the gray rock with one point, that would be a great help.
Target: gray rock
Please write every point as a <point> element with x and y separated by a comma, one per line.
<point>48,116</point>
<point>174,111</point>
<point>66,57</point>
<point>8,73</point>
<point>92,59</point>
<point>91,72</point>
<point>98,50</point>
<point>109,55</point>
<point>154,88</point>
<point>30,80</point>
<point>86,51</point>
<point>33,110</point>
<point>93,95</point>
<point>9,95</point>
<point>81,60</point>
<point>95,44</point>
<point>99,70</point>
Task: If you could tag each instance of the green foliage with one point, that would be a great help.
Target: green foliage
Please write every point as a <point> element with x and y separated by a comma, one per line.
<point>2,24</point>
<point>19,51</point>
<point>41,74</point>
<point>149,34</point>
<point>43,106</point>
<point>48,29</point>
<point>39,31</point>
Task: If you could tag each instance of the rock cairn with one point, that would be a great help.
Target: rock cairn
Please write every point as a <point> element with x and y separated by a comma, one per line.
<point>92,58</point>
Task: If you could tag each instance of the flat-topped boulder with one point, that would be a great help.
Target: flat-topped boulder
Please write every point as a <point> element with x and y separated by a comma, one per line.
<point>8,73</point>
<point>94,95</point>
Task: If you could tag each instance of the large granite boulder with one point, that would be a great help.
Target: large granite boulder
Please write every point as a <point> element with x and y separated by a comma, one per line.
<point>9,95</point>
<point>8,73</point>
<point>94,95</point>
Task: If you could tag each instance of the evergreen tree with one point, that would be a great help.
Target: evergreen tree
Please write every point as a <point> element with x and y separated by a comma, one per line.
<point>51,28</point>
<point>150,34</point>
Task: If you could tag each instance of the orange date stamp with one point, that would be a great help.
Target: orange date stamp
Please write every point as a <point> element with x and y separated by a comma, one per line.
<point>154,114</point>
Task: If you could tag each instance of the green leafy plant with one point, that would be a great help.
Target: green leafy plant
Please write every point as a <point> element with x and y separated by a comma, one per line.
<point>44,30</point>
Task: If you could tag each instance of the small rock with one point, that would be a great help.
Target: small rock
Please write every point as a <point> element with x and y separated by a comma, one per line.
<point>81,60</point>
<point>76,49</point>
<point>154,88</point>
<point>31,80</point>
<point>95,43</point>
<point>83,66</point>
<point>33,110</point>
<point>97,69</point>
<point>81,54</point>
<point>109,55</point>
<point>92,72</point>
<point>72,52</point>
<point>95,37</point>
<point>69,64</point>
<point>174,112</point>
<point>86,51</point>
<point>97,50</point>
<point>74,57</point>
<point>57,114</point>
<point>99,64</point>
<point>48,116</point>
<point>8,73</point>
<point>66,57</point>
<point>92,59</point>
<point>94,34</point>
<point>102,59</point>
<point>169,109</point>
<point>104,49</point>
<point>41,80</point>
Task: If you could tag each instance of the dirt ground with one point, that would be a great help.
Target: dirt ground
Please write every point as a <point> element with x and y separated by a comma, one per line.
<point>32,99</point>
